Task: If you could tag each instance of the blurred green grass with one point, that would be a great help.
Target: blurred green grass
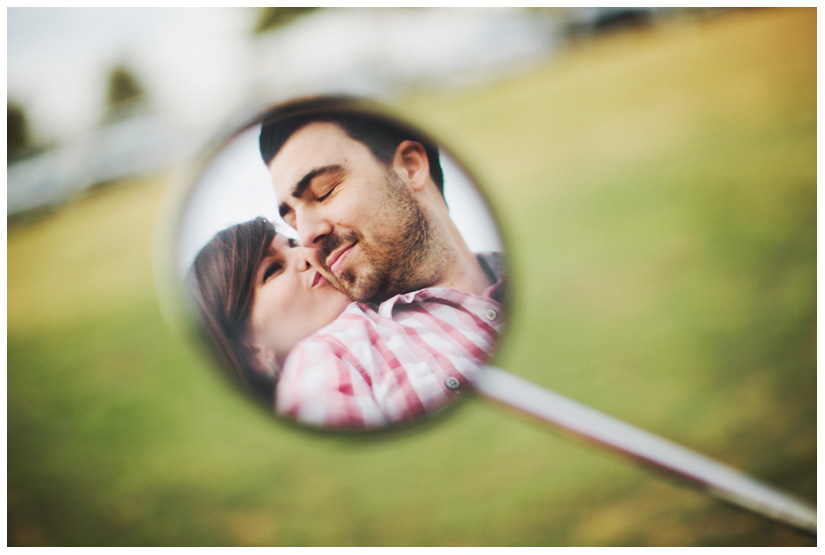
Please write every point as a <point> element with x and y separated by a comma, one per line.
<point>659,195</point>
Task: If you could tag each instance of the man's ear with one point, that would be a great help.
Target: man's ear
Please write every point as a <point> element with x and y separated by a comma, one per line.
<point>411,160</point>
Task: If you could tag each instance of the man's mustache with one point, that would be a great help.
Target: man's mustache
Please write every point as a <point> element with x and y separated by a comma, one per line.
<point>331,242</point>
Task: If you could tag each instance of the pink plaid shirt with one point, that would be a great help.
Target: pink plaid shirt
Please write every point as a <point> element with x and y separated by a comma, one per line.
<point>410,357</point>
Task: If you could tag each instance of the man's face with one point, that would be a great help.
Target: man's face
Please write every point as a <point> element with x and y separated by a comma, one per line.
<point>361,222</point>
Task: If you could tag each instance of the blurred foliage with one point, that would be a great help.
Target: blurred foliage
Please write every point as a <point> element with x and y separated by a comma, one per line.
<point>659,191</point>
<point>270,19</point>
<point>122,89</point>
<point>17,127</point>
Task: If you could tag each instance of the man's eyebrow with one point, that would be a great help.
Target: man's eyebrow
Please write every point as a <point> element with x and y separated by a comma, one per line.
<point>306,181</point>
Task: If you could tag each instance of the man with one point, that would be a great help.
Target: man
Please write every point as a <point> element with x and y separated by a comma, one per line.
<point>369,205</point>
<point>366,197</point>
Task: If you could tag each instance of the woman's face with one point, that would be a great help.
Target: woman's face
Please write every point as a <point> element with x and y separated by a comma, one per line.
<point>292,301</point>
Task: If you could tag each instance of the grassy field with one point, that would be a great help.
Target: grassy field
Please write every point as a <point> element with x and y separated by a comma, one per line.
<point>658,190</point>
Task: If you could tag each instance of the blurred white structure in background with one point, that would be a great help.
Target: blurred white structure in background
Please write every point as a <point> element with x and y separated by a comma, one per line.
<point>141,145</point>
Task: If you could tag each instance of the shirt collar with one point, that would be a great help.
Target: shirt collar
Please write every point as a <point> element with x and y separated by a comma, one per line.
<point>493,265</point>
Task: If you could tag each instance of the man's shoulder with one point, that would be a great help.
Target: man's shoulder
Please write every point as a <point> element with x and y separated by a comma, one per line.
<point>493,264</point>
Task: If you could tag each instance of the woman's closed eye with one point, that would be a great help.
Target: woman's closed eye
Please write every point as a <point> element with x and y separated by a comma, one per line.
<point>272,269</point>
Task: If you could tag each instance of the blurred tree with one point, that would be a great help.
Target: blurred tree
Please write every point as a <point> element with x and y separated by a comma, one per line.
<point>19,138</point>
<point>123,90</point>
<point>274,18</point>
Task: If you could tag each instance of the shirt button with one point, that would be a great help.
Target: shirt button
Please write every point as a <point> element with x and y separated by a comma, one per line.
<point>452,383</point>
<point>492,315</point>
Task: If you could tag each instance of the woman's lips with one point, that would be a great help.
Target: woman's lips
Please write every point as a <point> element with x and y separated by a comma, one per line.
<point>318,279</point>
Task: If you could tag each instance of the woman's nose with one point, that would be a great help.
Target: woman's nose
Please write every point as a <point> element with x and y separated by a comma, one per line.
<point>300,260</point>
<point>311,258</point>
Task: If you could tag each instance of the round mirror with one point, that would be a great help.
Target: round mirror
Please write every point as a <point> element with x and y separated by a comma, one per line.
<point>340,265</point>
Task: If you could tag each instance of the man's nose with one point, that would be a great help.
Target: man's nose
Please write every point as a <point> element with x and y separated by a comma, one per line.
<point>312,228</point>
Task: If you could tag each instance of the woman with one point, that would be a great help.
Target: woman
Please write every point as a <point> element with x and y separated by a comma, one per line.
<point>256,297</point>
<point>273,320</point>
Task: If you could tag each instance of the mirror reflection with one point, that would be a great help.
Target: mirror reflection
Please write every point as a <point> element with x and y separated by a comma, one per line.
<point>342,268</point>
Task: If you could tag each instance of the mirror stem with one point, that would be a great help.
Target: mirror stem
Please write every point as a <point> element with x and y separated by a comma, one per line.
<point>643,447</point>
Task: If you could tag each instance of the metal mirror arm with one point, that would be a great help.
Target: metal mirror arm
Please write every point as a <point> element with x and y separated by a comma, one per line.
<point>644,447</point>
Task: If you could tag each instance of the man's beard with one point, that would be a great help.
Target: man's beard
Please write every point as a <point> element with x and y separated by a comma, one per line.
<point>413,258</point>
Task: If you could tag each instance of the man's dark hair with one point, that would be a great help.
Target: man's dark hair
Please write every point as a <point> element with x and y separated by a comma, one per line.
<point>380,134</point>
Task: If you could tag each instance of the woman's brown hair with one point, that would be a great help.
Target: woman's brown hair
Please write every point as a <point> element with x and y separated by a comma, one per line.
<point>222,283</point>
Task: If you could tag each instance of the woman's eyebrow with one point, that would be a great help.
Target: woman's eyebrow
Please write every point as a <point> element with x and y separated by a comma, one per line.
<point>268,253</point>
